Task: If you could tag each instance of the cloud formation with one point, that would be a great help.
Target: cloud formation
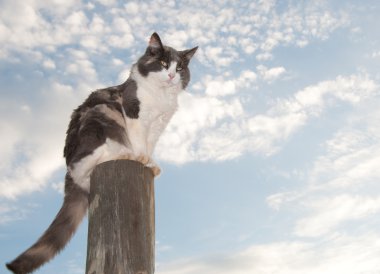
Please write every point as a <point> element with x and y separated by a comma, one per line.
<point>67,43</point>
<point>248,95</point>
<point>219,128</point>
<point>341,254</point>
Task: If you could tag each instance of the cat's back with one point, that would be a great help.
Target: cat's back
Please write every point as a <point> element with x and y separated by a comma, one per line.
<point>111,96</point>
<point>102,106</point>
<point>97,102</point>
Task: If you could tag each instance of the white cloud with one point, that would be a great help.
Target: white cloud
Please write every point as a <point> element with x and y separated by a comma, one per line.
<point>120,24</point>
<point>352,154</point>
<point>246,79</point>
<point>77,22</point>
<point>302,43</point>
<point>10,212</point>
<point>220,88</point>
<point>342,183</point>
<point>270,74</point>
<point>224,86</point>
<point>340,254</point>
<point>329,213</point>
<point>199,23</point>
<point>352,89</point>
<point>79,65</point>
<point>321,23</point>
<point>176,144</point>
<point>177,39</point>
<point>132,7</point>
<point>352,157</point>
<point>264,56</point>
<point>209,120</point>
<point>278,200</point>
<point>267,130</point>
<point>123,41</point>
<point>248,45</point>
<point>106,2</point>
<point>218,56</point>
<point>59,187</point>
<point>375,54</point>
<point>11,136</point>
<point>33,158</point>
<point>49,64</point>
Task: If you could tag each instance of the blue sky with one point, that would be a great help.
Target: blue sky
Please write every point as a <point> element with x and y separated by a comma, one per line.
<point>271,164</point>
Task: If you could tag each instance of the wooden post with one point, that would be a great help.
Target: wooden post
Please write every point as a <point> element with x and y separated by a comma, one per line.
<point>121,231</point>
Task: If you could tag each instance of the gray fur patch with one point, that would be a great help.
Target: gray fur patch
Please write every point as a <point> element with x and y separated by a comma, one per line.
<point>131,103</point>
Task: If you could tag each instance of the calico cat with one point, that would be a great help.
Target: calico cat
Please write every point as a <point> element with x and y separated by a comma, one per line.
<point>120,122</point>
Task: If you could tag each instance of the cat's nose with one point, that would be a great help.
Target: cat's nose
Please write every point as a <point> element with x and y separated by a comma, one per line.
<point>171,75</point>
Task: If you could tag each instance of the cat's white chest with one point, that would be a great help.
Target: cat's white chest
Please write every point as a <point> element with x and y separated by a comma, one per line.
<point>157,106</point>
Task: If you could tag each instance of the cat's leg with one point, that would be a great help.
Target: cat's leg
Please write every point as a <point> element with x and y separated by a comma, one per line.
<point>151,143</point>
<point>108,151</point>
<point>100,137</point>
<point>137,137</point>
<point>154,133</point>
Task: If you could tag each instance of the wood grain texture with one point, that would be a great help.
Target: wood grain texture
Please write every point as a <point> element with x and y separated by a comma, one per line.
<point>121,230</point>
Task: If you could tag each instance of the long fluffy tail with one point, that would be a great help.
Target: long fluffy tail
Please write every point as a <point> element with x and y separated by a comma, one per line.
<point>58,234</point>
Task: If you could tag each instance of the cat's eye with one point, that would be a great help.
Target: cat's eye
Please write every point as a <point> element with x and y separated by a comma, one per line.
<point>179,68</point>
<point>164,64</point>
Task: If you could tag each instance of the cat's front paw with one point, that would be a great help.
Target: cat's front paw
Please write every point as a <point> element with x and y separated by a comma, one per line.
<point>147,161</point>
<point>143,158</point>
<point>154,167</point>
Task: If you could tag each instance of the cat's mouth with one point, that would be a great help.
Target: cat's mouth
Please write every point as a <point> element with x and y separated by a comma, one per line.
<point>171,83</point>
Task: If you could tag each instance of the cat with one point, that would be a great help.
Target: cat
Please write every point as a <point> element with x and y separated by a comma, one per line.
<point>120,122</point>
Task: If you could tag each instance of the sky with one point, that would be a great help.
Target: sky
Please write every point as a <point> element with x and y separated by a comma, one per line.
<point>270,165</point>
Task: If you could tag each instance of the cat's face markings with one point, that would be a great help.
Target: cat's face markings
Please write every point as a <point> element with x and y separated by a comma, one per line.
<point>170,74</point>
<point>164,64</point>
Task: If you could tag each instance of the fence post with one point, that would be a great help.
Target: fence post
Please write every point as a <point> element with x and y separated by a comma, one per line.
<point>121,229</point>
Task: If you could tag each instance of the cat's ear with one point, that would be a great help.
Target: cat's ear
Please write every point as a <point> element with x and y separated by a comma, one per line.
<point>189,53</point>
<point>155,45</point>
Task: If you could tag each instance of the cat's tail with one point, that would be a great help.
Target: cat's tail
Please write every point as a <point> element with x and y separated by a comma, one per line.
<point>58,234</point>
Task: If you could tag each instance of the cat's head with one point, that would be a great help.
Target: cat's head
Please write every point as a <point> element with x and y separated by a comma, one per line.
<point>164,65</point>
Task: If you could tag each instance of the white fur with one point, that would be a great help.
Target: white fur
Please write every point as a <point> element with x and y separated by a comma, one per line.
<point>157,94</point>
<point>110,150</point>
